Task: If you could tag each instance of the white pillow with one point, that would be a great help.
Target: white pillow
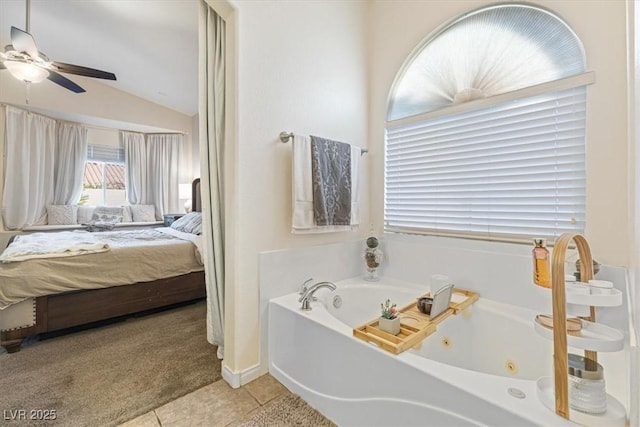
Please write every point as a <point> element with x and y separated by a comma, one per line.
<point>127,216</point>
<point>62,214</point>
<point>189,223</point>
<point>143,213</point>
<point>85,213</point>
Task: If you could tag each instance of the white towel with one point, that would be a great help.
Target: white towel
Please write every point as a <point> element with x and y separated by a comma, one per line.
<point>302,219</point>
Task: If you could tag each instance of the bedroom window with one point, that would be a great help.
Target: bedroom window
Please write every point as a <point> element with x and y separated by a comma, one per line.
<point>104,177</point>
<point>485,132</point>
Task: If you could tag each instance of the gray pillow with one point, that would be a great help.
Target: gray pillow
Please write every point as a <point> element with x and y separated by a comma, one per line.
<point>190,223</point>
<point>108,210</point>
<point>102,221</point>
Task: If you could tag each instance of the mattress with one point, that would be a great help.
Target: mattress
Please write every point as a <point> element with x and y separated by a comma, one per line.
<point>134,256</point>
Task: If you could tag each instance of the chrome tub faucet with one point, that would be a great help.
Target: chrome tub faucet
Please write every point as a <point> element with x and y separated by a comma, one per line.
<point>305,285</point>
<point>307,294</point>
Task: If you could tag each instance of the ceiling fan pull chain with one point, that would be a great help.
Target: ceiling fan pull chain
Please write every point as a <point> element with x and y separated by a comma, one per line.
<point>28,91</point>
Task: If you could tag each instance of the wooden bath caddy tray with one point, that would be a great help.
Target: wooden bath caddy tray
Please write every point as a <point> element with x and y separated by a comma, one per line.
<point>414,325</point>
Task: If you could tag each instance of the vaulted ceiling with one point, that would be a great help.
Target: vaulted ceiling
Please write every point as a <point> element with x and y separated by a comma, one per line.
<point>151,45</point>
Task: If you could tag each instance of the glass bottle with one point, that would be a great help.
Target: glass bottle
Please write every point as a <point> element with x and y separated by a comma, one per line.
<point>373,258</point>
<point>541,270</point>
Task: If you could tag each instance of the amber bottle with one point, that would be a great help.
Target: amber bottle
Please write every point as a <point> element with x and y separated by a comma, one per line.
<point>541,270</point>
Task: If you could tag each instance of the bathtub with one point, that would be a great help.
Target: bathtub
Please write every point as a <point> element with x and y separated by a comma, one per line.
<point>478,369</point>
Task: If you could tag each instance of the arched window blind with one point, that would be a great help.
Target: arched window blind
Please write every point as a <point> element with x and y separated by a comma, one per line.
<point>485,135</point>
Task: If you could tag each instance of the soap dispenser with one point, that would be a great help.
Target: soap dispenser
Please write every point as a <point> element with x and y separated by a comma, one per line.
<point>541,270</point>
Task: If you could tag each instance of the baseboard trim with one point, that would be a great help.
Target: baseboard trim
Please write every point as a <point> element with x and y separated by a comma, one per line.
<point>237,379</point>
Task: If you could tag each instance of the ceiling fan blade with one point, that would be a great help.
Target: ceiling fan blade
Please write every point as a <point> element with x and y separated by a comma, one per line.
<point>23,42</point>
<point>83,71</point>
<point>64,82</point>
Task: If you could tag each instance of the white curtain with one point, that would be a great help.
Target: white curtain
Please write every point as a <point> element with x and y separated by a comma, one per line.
<point>163,162</point>
<point>29,171</point>
<point>211,118</point>
<point>135,167</point>
<point>71,156</point>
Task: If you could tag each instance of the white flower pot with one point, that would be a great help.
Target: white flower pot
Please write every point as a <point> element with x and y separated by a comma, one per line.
<point>391,326</point>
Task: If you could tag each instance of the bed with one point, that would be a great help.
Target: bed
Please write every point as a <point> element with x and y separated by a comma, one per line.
<point>62,306</point>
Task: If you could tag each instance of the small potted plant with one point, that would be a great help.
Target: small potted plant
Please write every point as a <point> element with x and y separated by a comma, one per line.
<point>389,320</point>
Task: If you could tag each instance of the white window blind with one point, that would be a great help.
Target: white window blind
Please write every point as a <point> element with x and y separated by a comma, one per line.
<point>510,171</point>
<point>105,153</point>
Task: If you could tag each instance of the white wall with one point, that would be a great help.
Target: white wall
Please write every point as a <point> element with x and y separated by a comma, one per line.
<point>108,137</point>
<point>397,27</point>
<point>99,103</point>
<point>301,68</point>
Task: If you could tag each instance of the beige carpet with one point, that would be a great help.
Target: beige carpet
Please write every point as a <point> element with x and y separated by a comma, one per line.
<point>287,411</point>
<point>111,374</point>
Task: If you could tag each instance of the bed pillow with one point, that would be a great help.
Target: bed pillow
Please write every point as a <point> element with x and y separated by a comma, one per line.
<point>62,214</point>
<point>143,213</point>
<point>108,210</point>
<point>189,223</point>
<point>127,216</point>
<point>105,218</point>
<point>85,213</point>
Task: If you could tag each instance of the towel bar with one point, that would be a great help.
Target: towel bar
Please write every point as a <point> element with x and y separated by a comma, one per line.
<point>286,137</point>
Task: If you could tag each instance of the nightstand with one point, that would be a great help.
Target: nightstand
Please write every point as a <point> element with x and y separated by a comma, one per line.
<point>169,218</point>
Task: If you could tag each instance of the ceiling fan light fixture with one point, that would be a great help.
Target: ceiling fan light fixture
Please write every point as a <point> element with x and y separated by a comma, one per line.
<point>26,72</point>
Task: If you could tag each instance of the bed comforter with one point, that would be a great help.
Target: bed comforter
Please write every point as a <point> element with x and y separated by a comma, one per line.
<point>134,256</point>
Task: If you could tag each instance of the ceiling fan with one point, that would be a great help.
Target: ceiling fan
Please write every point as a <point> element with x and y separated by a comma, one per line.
<point>26,63</point>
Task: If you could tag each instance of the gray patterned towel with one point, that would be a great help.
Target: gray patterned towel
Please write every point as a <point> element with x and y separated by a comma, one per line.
<point>331,179</point>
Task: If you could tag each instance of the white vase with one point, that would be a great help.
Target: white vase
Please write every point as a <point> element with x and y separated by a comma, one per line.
<point>391,326</point>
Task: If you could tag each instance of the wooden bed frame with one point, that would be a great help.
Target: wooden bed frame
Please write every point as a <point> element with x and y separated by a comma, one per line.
<point>68,309</point>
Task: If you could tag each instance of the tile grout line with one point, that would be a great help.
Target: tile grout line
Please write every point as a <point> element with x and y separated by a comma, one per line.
<point>241,416</point>
<point>157,418</point>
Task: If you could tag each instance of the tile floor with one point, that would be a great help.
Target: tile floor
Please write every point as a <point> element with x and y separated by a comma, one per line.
<point>216,404</point>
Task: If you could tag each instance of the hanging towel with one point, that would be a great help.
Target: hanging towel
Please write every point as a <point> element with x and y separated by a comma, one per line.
<point>331,181</point>
<point>303,221</point>
<point>302,188</point>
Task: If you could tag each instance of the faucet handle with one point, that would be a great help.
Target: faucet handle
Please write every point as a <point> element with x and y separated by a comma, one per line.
<point>304,288</point>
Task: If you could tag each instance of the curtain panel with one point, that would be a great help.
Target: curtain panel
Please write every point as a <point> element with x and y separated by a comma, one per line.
<point>30,166</point>
<point>163,162</point>
<point>212,140</point>
<point>71,156</point>
<point>135,167</point>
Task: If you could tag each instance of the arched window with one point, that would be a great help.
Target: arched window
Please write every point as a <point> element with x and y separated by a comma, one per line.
<point>485,133</point>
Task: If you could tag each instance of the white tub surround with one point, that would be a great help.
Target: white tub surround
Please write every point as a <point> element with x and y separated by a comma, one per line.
<point>478,368</point>
<point>284,271</point>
